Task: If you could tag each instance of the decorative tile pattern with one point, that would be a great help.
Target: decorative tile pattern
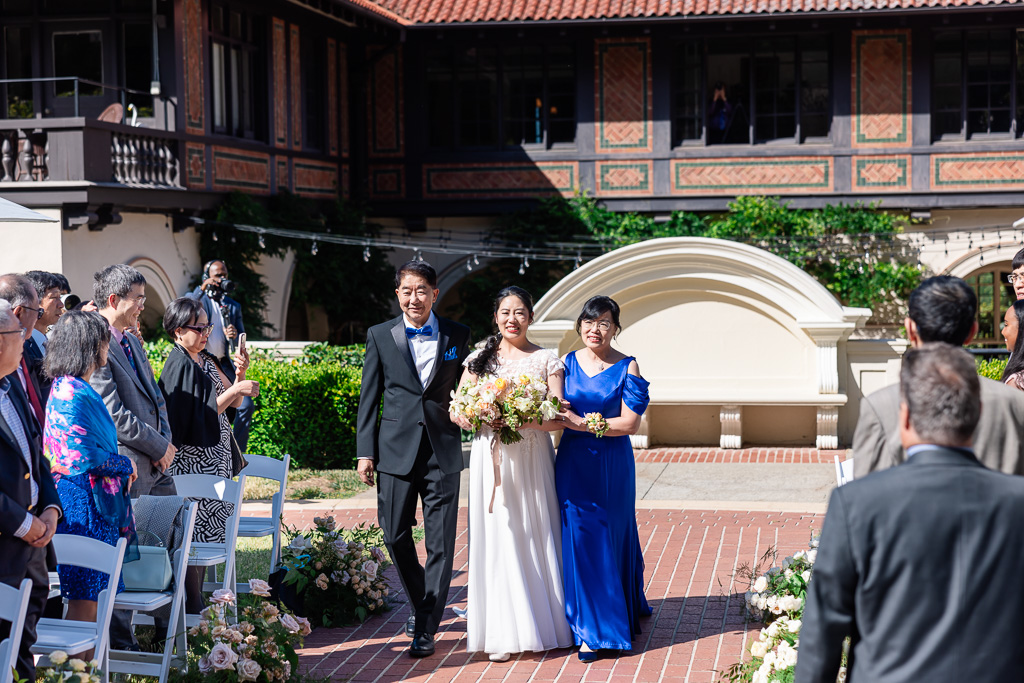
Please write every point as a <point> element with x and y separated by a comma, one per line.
<point>332,97</point>
<point>193,49</point>
<point>500,180</point>
<point>296,79</point>
<point>387,181</point>
<point>881,94</point>
<point>343,103</point>
<point>279,55</point>
<point>624,178</point>
<point>195,165</point>
<point>315,178</point>
<point>623,95</point>
<point>881,173</point>
<point>281,173</point>
<point>782,175</point>
<point>237,169</point>
<point>386,103</point>
<point>982,171</point>
<point>763,454</point>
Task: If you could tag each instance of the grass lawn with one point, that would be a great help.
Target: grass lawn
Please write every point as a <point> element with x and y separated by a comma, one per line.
<point>306,484</point>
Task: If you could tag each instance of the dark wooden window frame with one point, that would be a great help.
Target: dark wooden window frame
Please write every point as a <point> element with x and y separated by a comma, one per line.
<point>258,65</point>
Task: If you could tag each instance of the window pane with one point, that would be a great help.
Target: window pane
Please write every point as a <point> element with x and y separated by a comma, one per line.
<point>219,86</point>
<point>137,56</point>
<point>314,86</point>
<point>78,54</point>
<point>728,93</point>
<point>774,89</point>
<point>440,98</point>
<point>18,52</point>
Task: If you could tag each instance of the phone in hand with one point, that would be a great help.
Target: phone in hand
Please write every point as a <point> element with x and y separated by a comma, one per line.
<point>241,346</point>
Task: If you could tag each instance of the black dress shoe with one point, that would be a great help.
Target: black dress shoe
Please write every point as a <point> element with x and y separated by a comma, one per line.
<point>410,626</point>
<point>422,645</point>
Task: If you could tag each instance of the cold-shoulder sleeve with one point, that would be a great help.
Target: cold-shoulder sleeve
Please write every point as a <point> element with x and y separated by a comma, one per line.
<point>634,393</point>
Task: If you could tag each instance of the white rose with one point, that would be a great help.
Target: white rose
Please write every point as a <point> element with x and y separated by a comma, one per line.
<point>304,627</point>
<point>222,596</point>
<point>522,404</point>
<point>248,670</point>
<point>288,621</point>
<point>790,603</point>
<point>58,657</point>
<point>812,554</point>
<point>77,665</point>
<point>370,568</point>
<point>205,667</point>
<point>806,575</point>
<point>769,661</point>
<point>758,649</point>
<point>548,411</point>
<point>787,655</point>
<point>761,585</point>
<point>222,657</point>
<point>759,677</point>
<point>300,543</point>
<point>800,555</point>
<point>795,625</point>
<point>772,630</point>
<point>259,587</point>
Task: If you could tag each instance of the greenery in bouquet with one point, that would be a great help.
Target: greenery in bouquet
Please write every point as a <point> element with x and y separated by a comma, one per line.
<point>507,403</point>
<point>64,669</point>
<point>338,574</point>
<point>257,642</point>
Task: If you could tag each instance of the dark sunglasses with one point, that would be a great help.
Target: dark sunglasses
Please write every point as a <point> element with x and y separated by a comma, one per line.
<point>204,329</point>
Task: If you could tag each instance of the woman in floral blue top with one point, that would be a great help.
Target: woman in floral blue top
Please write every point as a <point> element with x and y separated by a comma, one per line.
<point>80,440</point>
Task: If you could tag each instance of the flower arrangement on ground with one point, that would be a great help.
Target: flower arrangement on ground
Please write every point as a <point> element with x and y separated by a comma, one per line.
<point>64,669</point>
<point>776,598</point>
<point>338,574</point>
<point>514,401</point>
<point>259,646</point>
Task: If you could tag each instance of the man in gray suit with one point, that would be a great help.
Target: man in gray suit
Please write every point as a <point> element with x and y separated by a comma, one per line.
<point>126,382</point>
<point>920,564</point>
<point>942,309</point>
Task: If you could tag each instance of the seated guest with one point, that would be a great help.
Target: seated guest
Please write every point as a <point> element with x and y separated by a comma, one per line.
<point>1013,374</point>
<point>919,565</point>
<point>197,394</point>
<point>29,504</point>
<point>48,287</point>
<point>942,309</point>
<point>80,440</point>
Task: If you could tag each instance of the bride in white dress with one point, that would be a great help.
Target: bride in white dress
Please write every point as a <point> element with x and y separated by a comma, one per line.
<point>516,602</point>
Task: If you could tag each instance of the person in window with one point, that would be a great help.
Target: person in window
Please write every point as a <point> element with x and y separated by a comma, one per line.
<point>80,440</point>
<point>719,114</point>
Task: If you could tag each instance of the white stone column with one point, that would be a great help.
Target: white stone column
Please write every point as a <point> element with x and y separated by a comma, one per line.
<point>731,418</point>
<point>828,428</point>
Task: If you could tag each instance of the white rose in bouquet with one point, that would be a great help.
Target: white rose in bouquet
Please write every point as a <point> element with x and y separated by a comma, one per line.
<point>812,554</point>
<point>222,657</point>
<point>761,585</point>
<point>758,648</point>
<point>786,657</point>
<point>548,411</point>
<point>806,575</point>
<point>795,625</point>
<point>790,603</point>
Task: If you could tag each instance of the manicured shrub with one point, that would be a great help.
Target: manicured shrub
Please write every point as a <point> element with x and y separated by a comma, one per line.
<point>992,368</point>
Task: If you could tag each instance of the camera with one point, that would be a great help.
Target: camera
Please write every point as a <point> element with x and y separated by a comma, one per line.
<point>225,286</point>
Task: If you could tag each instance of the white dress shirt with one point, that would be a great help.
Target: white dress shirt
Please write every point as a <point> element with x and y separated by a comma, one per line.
<point>424,348</point>
<point>39,339</point>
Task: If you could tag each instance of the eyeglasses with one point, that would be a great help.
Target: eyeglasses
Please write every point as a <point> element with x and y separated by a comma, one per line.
<point>1012,278</point>
<point>39,311</point>
<point>201,329</point>
<point>602,325</point>
<point>20,330</point>
<point>140,300</point>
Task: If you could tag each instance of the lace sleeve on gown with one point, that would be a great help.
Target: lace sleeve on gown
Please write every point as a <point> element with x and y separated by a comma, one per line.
<point>552,362</point>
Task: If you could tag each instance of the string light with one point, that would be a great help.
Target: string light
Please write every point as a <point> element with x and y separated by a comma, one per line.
<point>469,264</point>
<point>476,260</point>
<point>214,236</point>
<point>263,242</point>
<point>315,248</point>
<point>419,255</point>
<point>366,254</point>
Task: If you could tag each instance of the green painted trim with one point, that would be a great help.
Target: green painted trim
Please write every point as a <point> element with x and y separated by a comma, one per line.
<point>644,141</point>
<point>490,191</point>
<point>938,182</point>
<point>902,135</point>
<point>645,183</point>
<point>900,182</point>
<point>744,164</point>
<point>189,154</point>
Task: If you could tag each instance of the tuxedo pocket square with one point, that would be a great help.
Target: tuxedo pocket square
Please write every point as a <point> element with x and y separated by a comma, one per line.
<point>450,354</point>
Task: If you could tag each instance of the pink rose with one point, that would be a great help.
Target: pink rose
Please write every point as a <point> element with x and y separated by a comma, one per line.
<point>259,587</point>
<point>288,621</point>
<point>304,627</point>
<point>248,670</point>
<point>222,657</point>
<point>205,667</point>
<point>222,596</point>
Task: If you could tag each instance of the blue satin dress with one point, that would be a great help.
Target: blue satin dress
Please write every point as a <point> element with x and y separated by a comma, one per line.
<point>602,562</point>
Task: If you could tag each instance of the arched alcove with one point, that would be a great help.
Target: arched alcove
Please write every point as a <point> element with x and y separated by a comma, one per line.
<point>725,332</point>
<point>159,292</point>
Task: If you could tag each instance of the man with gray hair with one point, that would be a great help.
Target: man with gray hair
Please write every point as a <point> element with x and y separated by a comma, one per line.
<point>919,564</point>
<point>21,294</point>
<point>29,504</point>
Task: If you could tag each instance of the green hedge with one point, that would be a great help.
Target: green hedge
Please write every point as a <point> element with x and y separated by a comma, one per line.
<point>992,368</point>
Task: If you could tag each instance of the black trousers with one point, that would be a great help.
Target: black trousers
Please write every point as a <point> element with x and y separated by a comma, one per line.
<point>427,587</point>
<point>34,569</point>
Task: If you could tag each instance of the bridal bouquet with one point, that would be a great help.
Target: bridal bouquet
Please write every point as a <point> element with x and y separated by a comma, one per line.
<point>514,401</point>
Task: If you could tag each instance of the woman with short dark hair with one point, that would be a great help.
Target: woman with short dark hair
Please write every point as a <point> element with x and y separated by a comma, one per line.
<point>80,440</point>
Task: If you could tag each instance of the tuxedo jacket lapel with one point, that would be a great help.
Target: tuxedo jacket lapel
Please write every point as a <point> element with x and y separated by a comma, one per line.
<point>442,346</point>
<point>402,343</point>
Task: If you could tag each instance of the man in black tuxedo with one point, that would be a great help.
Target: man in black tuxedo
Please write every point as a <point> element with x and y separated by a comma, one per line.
<point>29,505</point>
<point>920,564</point>
<point>412,365</point>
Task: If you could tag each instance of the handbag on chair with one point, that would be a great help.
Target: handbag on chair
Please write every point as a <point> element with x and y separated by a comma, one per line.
<point>151,572</point>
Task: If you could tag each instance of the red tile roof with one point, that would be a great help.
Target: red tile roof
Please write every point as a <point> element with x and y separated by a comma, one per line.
<point>419,12</point>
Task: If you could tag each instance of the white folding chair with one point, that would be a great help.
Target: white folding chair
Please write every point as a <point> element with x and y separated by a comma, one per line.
<point>844,471</point>
<point>262,467</point>
<point>211,555</point>
<point>13,606</point>
<point>77,637</point>
<point>158,664</point>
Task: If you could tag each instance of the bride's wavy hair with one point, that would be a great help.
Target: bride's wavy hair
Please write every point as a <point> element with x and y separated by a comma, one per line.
<point>486,360</point>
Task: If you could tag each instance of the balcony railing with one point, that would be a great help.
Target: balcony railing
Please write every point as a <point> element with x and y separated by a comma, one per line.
<point>70,149</point>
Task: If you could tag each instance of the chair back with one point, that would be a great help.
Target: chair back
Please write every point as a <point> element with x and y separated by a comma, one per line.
<point>88,553</point>
<point>13,606</point>
<point>263,467</point>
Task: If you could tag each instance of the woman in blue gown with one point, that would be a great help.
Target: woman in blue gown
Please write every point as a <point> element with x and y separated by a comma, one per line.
<point>595,478</point>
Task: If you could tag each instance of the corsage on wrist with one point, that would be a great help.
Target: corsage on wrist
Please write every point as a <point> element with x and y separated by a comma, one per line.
<point>596,424</point>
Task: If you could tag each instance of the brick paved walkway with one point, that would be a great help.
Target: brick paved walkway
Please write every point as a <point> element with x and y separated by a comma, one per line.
<point>697,627</point>
<point>762,454</point>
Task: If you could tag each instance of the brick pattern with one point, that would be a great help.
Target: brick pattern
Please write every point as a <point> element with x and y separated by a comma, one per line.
<point>739,175</point>
<point>692,584</point>
<point>315,178</point>
<point>982,171</point>
<point>385,103</point>
<point>763,454</point>
<point>195,165</point>
<point>237,169</point>
<point>500,180</point>
<point>332,97</point>
<point>279,57</point>
<point>881,89</point>
<point>623,95</point>
<point>882,173</point>
<point>195,112</point>
<point>343,99</point>
<point>295,65</point>
<point>387,181</point>
<point>282,180</point>
<point>624,178</point>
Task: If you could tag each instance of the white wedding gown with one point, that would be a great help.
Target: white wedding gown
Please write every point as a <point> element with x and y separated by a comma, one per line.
<point>516,601</point>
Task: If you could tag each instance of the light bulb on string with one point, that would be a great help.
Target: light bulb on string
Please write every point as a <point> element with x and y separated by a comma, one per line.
<point>476,260</point>
<point>522,267</point>
<point>263,242</point>
<point>419,255</point>
<point>469,264</point>
<point>213,236</point>
<point>366,254</point>
<point>315,248</point>
<point>526,261</point>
